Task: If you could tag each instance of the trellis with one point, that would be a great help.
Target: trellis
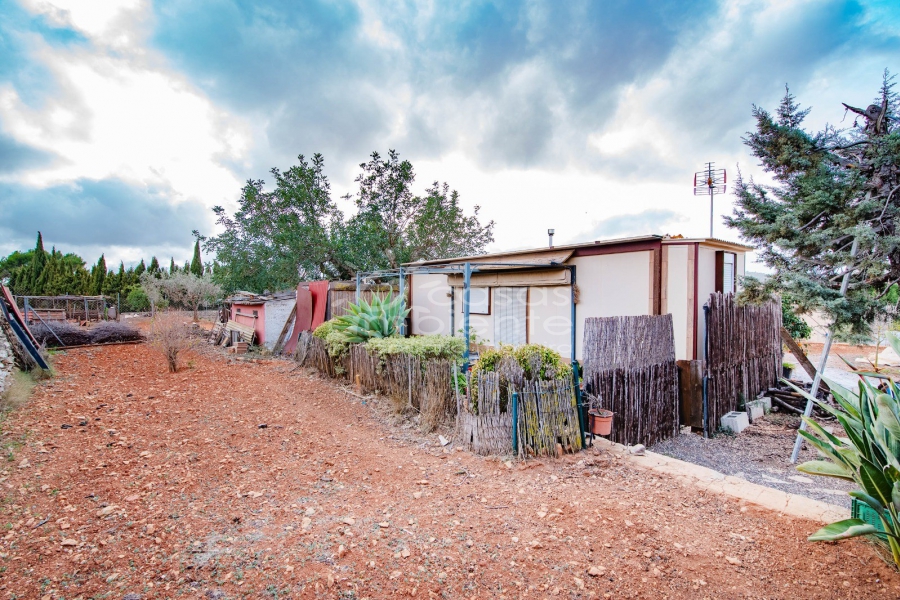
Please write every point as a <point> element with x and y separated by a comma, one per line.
<point>629,369</point>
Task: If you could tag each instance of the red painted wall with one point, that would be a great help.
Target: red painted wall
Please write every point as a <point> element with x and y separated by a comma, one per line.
<point>245,317</point>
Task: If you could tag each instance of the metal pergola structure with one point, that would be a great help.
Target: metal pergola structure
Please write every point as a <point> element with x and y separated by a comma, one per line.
<point>467,269</point>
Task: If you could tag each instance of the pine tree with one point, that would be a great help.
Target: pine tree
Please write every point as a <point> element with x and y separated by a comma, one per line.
<point>154,266</point>
<point>833,207</point>
<point>196,263</point>
<point>140,268</point>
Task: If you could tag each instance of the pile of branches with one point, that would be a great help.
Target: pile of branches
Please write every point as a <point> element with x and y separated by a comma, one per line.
<point>60,334</point>
<point>790,401</point>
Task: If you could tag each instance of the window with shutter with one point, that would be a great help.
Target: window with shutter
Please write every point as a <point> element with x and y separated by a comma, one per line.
<point>510,312</point>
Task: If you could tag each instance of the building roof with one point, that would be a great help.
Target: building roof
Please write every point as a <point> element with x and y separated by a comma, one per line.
<point>242,297</point>
<point>560,254</point>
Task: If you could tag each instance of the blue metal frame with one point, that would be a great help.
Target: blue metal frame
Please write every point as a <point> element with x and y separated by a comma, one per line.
<point>466,269</point>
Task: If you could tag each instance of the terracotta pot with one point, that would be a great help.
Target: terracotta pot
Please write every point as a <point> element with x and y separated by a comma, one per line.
<point>600,421</point>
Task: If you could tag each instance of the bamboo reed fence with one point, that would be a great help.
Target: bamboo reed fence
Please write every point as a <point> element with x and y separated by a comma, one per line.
<point>630,369</point>
<point>412,383</point>
<point>547,418</point>
<point>743,353</point>
<point>487,429</point>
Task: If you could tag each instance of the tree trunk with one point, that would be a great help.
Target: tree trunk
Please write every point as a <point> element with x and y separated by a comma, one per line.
<point>800,355</point>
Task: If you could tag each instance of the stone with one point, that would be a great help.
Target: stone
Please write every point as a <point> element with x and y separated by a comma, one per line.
<point>107,510</point>
<point>596,571</point>
<point>348,520</point>
<point>69,542</point>
<point>755,410</point>
<point>735,421</point>
<point>444,441</point>
<point>733,560</point>
<point>637,450</point>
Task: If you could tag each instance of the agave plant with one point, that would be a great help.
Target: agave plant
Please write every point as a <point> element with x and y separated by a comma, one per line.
<point>378,319</point>
<point>869,456</point>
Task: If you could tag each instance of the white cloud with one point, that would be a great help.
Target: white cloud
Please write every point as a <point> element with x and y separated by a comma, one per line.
<point>124,114</point>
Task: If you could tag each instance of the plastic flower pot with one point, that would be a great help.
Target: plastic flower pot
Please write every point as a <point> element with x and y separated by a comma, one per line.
<point>786,371</point>
<point>600,421</point>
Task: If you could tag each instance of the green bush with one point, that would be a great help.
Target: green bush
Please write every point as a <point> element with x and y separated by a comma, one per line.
<point>426,346</point>
<point>538,362</point>
<point>336,341</point>
<point>136,300</point>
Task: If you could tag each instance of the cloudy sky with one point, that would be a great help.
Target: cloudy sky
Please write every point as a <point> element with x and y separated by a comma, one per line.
<point>122,123</point>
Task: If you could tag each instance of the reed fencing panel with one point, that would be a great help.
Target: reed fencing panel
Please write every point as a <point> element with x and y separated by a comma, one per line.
<point>743,353</point>
<point>488,429</point>
<point>547,418</point>
<point>411,382</point>
<point>630,369</point>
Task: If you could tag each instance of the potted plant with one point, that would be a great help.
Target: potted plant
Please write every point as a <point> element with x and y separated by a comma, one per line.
<point>600,421</point>
<point>786,369</point>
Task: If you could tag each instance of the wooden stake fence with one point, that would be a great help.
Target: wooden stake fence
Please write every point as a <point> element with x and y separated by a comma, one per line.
<point>743,353</point>
<point>629,368</point>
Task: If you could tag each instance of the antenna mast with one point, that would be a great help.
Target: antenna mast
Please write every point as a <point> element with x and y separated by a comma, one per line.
<point>710,181</point>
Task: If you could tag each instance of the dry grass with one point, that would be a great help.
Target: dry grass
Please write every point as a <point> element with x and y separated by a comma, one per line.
<point>171,337</point>
<point>18,392</point>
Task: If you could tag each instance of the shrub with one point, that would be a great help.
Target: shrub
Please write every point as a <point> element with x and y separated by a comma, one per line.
<point>376,320</point>
<point>136,300</point>
<point>171,337</point>
<point>869,456</point>
<point>425,346</point>
<point>113,331</point>
<point>69,333</point>
<point>336,341</point>
<point>535,361</point>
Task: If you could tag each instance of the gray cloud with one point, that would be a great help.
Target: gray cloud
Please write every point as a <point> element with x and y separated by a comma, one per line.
<point>653,220</point>
<point>15,156</point>
<point>87,212</point>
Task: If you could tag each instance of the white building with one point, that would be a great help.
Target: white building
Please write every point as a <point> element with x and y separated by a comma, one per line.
<point>533,303</point>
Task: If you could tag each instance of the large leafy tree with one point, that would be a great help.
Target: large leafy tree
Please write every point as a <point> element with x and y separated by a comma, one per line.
<point>399,226</point>
<point>296,231</point>
<point>831,188</point>
<point>276,238</point>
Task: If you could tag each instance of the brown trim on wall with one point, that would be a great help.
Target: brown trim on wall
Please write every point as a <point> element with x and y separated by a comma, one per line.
<point>656,281</point>
<point>720,270</point>
<point>642,246</point>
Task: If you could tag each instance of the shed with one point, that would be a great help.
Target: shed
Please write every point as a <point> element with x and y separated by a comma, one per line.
<point>647,275</point>
<point>266,313</point>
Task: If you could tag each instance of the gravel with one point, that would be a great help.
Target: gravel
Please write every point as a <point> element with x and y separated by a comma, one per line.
<point>761,454</point>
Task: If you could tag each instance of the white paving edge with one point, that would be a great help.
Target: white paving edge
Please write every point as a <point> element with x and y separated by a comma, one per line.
<point>703,478</point>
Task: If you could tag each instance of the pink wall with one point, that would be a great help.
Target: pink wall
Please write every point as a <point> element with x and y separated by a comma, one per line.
<point>245,317</point>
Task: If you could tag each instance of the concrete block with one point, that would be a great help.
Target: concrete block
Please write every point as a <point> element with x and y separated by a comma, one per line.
<point>767,403</point>
<point>735,421</point>
<point>755,410</point>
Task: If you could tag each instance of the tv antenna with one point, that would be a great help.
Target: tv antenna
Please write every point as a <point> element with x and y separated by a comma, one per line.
<point>710,181</point>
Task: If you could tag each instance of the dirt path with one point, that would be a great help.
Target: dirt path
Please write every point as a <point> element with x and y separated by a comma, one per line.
<point>124,481</point>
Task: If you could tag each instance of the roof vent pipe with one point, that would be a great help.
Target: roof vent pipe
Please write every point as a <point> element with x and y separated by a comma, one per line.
<point>550,233</point>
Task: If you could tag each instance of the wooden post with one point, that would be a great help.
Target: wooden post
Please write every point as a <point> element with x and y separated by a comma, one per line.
<point>801,357</point>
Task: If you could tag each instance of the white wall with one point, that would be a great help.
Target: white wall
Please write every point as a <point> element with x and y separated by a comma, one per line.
<point>706,285</point>
<point>430,304</point>
<point>611,285</point>
<point>549,318</point>
<point>276,315</point>
<point>677,280</point>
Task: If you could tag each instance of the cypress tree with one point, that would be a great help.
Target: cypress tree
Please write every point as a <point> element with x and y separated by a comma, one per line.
<point>98,276</point>
<point>140,268</point>
<point>154,266</point>
<point>187,266</point>
<point>38,262</point>
<point>196,264</point>
<point>172,267</point>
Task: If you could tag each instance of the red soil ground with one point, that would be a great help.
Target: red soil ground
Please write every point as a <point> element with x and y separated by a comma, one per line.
<point>166,486</point>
